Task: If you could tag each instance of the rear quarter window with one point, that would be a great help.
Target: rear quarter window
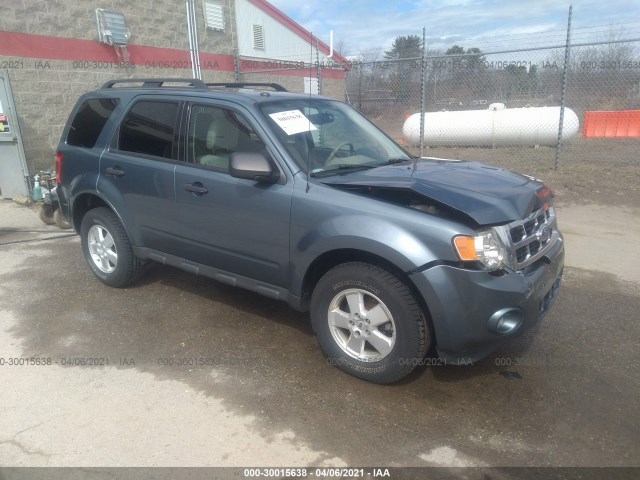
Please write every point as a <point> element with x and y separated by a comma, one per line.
<point>149,128</point>
<point>89,121</point>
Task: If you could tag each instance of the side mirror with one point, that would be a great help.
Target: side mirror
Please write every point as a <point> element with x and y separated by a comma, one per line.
<point>252,166</point>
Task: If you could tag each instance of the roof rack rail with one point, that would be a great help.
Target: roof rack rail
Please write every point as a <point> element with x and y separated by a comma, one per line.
<point>158,82</point>
<point>276,86</point>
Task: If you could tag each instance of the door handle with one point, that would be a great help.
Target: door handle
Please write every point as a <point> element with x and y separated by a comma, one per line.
<point>116,172</point>
<point>196,188</point>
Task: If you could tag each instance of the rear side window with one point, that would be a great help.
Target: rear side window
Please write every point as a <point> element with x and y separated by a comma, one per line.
<point>89,121</point>
<point>149,128</point>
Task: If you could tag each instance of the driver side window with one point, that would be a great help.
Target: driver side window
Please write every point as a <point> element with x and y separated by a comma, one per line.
<point>215,133</point>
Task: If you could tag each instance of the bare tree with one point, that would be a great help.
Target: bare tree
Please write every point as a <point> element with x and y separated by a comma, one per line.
<point>342,47</point>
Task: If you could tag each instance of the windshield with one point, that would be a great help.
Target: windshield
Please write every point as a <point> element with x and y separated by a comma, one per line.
<point>326,137</point>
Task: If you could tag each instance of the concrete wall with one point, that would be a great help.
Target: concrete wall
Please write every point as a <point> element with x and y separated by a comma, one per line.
<point>53,56</point>
<point>155,23</point>
<point>45,97</point>
<point>46,88</point>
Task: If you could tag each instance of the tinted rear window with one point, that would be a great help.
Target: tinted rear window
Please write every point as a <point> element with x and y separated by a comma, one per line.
<point>149,128</point>
<point>90,120</point>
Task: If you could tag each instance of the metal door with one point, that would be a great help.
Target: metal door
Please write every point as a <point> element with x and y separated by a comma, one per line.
<point>13,165</point>
<point>239,226</point>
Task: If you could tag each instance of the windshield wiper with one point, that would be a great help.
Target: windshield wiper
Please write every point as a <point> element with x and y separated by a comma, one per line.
<point>393,161</point>
<point>341,169</point>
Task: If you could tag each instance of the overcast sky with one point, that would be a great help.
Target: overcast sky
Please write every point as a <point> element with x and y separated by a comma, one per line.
<point>489,24</point>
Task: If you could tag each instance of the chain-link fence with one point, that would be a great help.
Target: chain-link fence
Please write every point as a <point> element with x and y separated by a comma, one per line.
<point>569,112</point>
<point>511,108</point>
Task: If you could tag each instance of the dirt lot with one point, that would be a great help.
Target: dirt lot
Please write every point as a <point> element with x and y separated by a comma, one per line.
<point>606,172</point>
<point>603,171</point>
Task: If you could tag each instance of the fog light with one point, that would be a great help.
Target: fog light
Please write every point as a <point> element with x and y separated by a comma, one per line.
<point>505,321</point>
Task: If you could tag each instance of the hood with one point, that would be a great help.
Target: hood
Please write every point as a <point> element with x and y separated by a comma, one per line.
<point>488,195</point>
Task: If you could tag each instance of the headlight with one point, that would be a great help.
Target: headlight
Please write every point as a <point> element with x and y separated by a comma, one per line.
<point>485,247</point>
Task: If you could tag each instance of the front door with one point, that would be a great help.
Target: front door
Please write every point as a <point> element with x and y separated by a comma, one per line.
<point>13,166</point>
<point>240,226</point>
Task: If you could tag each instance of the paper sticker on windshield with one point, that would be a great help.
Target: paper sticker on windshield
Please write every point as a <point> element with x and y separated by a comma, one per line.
<point>292,122</point>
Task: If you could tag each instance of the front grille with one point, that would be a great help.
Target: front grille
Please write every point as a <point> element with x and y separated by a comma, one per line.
<point>528,228</point>
<point>532,237</point>
<point>528,251</point>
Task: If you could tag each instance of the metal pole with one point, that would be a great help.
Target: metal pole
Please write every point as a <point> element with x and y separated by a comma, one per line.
<point>319,68</point>
<point>193,62</point>
<point>567,49</point>
<point>360,80</point>
<point>193,39</point>
<point>236,66</point>
<point>423,86</point>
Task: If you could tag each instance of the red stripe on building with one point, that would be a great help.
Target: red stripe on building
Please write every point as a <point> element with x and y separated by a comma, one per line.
<point>13,44</point>
<point>208,61</point>
<point>26,45</point>
<point>301,72</point>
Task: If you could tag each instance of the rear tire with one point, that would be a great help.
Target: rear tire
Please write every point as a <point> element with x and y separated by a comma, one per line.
<point>368,323</point>
<point>46,214</point>
<point>60,220</point>
<point>107,248</point>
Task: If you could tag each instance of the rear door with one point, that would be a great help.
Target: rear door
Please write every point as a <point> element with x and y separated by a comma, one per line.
<point>240,226</point>
<point>137,171</point>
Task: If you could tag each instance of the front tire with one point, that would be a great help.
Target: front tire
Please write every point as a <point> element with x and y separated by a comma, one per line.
<point>107,249</point>
<point>368,322</point>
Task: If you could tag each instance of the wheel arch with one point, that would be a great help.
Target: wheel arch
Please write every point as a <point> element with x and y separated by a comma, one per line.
<point>328,260</point>
<point>86,201</point>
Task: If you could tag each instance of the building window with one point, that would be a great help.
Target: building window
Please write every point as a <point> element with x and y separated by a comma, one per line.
<point>214,15</point>
<point>258,37</point>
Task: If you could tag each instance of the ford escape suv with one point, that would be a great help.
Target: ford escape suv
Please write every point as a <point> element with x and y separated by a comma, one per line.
<point>302,199</point>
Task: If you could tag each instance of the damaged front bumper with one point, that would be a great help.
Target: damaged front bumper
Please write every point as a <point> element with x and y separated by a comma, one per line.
<point>473,312</point>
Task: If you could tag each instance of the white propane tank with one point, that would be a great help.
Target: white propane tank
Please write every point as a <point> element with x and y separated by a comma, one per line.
<point>496,126</point>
